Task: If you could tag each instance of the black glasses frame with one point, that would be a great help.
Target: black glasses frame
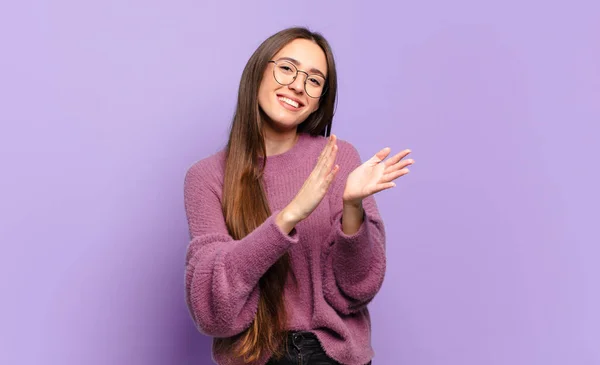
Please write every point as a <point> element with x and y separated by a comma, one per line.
<point>294,79</point>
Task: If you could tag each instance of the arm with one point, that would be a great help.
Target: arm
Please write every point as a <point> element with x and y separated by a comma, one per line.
<point>222,274</point>
<point>355,263</point>
<point>353,217</point>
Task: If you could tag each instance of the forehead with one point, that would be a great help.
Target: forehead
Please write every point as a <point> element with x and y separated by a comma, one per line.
<point>306,52</point>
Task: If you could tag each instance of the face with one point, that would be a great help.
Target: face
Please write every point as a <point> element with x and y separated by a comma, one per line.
<point>289,105</point>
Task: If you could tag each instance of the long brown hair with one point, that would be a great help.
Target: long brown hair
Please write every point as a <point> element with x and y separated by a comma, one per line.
<point>244,202</point>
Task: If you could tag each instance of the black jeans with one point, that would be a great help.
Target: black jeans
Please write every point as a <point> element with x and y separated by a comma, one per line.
<point>304,348</point>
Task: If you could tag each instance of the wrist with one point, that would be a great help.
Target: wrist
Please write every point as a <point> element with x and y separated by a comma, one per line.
<point>353,204</point>
<point>290,216</point>
<point>352,216</point>
<point>286,221</point>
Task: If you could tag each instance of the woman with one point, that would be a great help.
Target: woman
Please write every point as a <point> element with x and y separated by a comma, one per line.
<point>287,245</point>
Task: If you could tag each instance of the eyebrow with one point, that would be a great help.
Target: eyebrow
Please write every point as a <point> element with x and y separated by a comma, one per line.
<point>295,62</point>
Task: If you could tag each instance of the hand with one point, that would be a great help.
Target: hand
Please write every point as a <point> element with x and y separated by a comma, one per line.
<point>315,187</point>
<point>375,175</point>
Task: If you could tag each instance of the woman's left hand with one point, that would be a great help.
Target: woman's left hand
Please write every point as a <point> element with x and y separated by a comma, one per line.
<point>375,175</point>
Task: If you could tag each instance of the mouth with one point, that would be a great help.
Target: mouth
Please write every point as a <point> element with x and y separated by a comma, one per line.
<point>289,102</point>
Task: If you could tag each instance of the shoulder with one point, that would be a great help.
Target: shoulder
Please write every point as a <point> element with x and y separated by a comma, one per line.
<point>207,171</point>
<point>347,150</point>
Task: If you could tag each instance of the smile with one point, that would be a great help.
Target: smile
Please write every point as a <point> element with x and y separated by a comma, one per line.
<point>288,103</point>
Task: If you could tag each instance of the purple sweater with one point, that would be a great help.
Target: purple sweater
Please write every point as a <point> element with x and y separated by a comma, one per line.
<point>338,275</point>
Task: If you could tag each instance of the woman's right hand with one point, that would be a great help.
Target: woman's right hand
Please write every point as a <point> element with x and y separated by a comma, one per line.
<point>313,190</point>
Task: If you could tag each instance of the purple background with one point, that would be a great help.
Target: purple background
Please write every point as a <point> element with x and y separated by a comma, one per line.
<point>493,242</point>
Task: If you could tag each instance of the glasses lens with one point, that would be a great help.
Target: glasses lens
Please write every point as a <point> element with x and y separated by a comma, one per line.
<point>315,85</point>
<point>284,72</point>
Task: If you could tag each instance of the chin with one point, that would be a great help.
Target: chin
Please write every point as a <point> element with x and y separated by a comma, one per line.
<point>282,119</point>
<point>284,125</point>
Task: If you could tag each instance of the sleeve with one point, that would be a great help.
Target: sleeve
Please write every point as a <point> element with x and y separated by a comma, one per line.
<point>354,264</point>
<point>222,274</point>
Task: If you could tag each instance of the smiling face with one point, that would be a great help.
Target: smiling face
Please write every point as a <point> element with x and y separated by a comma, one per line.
<point>289,105</point>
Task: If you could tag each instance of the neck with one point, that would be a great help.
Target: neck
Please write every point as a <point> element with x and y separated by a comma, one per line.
<point>277,142</point>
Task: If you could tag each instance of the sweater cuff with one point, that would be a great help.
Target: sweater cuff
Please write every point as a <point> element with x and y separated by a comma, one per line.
<point>353,257</point>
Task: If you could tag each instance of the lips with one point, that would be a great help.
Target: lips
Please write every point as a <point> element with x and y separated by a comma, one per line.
<point>290,101</point>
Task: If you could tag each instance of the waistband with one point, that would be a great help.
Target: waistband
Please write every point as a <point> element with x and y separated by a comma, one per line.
<point>303,339</point>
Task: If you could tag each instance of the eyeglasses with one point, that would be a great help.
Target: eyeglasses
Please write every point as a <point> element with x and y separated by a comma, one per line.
<point>286,72</point>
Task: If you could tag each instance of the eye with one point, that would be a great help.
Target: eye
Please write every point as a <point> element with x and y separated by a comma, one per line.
<point>315,81</point>
<point>286,69</point>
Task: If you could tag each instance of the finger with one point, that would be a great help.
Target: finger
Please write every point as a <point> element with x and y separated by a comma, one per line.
<point>394,175</point>
<point>379,156</point>
<point>332,174</point>
<point>398,166</point>
<point>384,186</point>
<point>328,147</point>
<point>325,149</point>
<point>329,160</point>
<point>399,156</point>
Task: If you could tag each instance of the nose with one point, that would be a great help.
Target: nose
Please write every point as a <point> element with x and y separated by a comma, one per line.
<point>298,84</point>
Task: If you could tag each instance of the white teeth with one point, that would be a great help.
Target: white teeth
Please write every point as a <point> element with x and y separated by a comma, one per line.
<point>289,101</point>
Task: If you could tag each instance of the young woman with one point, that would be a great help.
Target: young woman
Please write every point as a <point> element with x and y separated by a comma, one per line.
<point>287,245</point>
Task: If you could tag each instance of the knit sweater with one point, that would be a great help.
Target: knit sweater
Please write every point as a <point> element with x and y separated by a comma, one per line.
<point>337,274</point>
